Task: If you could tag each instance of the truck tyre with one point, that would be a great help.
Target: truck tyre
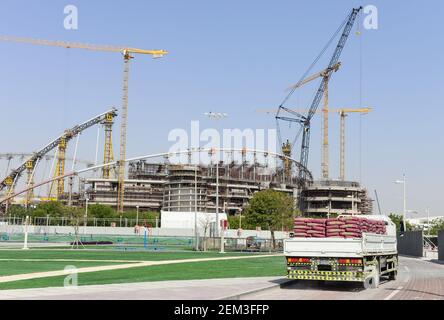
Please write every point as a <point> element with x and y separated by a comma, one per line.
<point>372,281</point>
<point>393,275</point>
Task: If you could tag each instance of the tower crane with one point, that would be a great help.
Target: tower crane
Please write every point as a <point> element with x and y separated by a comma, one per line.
<point>127,56</point>
<point>325,74</point>
<point>306,120</point>
<point>343,114</point>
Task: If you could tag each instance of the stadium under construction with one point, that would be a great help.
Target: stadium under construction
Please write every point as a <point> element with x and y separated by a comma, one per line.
<point>222,186</point>
<point>182,188</point>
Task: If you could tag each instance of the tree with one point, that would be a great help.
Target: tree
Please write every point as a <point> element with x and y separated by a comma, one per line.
<point>51,209</point>
<point>436,226</point>
<point>397,220</point>
<point>205,223</point>
<point>19,211</point>
<point>271,210</point>
<point>101,211</point>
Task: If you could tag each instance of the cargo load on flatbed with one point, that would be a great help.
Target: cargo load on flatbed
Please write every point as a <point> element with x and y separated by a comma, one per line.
<point>342,227</point>
<point>357,249</point>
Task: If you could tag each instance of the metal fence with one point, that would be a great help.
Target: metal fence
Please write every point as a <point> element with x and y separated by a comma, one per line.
<point>91,222</point>
<point>241,244</point>
<point>441,245</point>
<point>116,242</point>
<point>411,243</point>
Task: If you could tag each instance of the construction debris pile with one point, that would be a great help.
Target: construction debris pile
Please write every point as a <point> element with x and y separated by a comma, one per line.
<point>342,227</point>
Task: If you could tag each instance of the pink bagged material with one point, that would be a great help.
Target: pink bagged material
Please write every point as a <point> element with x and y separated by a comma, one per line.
<point>335,230</point>
<point>345,227</point>
<point>301,227</point>
<point>300,235</point>
<point>334,222</point>
<point>351,234</point>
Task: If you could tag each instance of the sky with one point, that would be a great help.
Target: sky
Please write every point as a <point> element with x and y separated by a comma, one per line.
<point>235,57</point>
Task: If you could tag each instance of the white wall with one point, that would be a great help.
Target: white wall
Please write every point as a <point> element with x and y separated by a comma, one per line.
<point>166,232</point>
<point>186,220</point>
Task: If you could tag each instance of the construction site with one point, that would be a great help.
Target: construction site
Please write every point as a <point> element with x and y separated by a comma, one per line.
<point>153,183</point>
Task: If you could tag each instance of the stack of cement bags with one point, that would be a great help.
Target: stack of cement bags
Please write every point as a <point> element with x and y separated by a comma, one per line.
<point>309,228</point>
<point>342,227</point>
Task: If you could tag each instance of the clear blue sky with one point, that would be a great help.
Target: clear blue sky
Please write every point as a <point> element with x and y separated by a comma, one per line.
<point>234,57</point>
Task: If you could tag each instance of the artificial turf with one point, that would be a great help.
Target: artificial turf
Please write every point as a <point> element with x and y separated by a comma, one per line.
<point>12,267</point>
<point>256,267</point>
<point>110,254</point>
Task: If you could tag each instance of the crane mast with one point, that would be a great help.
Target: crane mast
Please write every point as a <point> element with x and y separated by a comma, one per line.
<point>322,88</point>
<point>343,114</point>
<point>123,127</point>
<point>126,51</point>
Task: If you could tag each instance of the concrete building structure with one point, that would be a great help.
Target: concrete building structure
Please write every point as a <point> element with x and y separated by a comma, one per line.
<point>328,197</point>
<point>190,188</point>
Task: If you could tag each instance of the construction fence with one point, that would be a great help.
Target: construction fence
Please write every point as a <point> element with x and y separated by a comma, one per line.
<point>441,245</point>
<point>120,222</point>
<point>411,243</point>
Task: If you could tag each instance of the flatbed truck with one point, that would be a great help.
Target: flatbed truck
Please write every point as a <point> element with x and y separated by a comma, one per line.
<point>364,260</point>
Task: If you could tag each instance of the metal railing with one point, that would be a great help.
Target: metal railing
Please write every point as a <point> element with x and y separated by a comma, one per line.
<point>92,221</point>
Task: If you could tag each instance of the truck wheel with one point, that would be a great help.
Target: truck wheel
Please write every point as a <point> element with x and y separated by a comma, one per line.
<point>393,275</point>
<point>372,282</point>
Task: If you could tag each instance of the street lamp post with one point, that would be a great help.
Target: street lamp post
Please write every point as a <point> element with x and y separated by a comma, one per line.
<point>217,197</point>
<point>86,215</point>
<point>137,216</point>
<point>217,116</point>
<point>403,182</point>
<point>195,210</point>
<point>240,218</point>
<point>428,221</point>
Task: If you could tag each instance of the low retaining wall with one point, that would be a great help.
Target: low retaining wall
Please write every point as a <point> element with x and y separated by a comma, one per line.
<point>441,245</point>
<point>411,243</point>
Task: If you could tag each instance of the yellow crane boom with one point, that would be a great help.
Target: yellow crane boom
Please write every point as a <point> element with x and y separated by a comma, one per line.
<point>77,45</point>
<point>126,52</point>
<point>323,73</point>
<point>343,113</point>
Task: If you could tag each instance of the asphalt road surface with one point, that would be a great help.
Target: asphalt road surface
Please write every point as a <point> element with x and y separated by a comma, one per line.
<point>417,280</point>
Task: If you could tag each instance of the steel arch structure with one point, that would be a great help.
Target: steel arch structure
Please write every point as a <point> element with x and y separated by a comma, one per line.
<point>158,155</point>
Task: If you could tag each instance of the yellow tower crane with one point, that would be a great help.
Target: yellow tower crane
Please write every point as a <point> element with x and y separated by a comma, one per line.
<point>108,153</point>
<point>30,165</point>
<point>126,52</point>
<point>343,114</point>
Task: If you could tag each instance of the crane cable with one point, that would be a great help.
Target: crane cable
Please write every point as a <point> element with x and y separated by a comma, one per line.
<point>359,33</point>
<point>335,34</point>
<point>316,60</point>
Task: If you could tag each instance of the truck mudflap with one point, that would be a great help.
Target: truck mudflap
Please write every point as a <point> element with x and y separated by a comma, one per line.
<point>356,276</point>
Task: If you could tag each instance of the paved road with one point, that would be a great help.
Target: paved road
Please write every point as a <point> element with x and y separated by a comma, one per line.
<point>212,289</point>
<point>417,280</point>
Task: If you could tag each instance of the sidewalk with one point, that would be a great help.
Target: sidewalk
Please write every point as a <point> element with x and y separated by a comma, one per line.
<point>212,289</point>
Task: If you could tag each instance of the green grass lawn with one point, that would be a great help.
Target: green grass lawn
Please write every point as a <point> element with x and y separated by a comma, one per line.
<point>8,268</point>
<point>257,267</point>
<point>107,254</point>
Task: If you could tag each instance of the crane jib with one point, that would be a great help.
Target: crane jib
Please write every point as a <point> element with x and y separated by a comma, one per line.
<point>334,60</point>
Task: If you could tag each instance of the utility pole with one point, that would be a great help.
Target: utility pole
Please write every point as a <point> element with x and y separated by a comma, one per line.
<point>428,221</point>
<point>86,215</point>
<point>25,243</point>
<point>217,197</point>
<point>403,182</point>
<point>137,216</point>
<point>196,236</point>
